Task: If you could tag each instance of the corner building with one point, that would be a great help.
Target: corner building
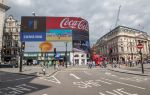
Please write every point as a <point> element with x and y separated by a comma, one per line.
<point>123,41</point>
<point>3,9</point>
<point>43,35</point>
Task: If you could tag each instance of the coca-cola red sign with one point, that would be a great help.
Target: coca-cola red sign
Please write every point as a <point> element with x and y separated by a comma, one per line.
<point>66,23</point>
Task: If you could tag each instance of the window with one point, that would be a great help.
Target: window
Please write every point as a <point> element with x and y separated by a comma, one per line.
<point>122,49</point>
<point>82,55</point>
<point>76,55</point>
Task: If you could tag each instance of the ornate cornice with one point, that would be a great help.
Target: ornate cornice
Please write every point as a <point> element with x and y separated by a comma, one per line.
<point>5,7</point>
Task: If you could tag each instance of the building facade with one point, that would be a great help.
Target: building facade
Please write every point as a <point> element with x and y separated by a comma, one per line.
<point>3,9</point>
<point>11,40</point>
<point>121,44</point>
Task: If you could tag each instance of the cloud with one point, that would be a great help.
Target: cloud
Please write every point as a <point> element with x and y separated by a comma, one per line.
<point>22,2</point>
<point>101,14</point>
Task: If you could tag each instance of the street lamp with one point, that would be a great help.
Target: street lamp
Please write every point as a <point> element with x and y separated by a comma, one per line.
<point>33,13</point>
<point>66,54</point>
<point>21,55</point>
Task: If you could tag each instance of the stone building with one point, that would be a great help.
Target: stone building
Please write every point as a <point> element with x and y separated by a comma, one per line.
<point>3,9</point>
<point>10,44</point>
<point>122,42</point>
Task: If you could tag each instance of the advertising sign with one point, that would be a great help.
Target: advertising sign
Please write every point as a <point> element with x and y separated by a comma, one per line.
<point>33,24</point>
<point>47,46</point>
<point>73,23</point>
<point>59,35</point>
<point>80,45</point>
<point>32,36</point>
<point>76,35</point>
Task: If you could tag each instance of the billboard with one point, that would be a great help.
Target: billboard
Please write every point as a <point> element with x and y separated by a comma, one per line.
<point>47,46</point>
<point>46,33</point>
<point>73,23</point>
<point>82,35</point>
<point>33,24</point>
<point>81,45</point>
<point>32,36</point>
<point>59,35</point>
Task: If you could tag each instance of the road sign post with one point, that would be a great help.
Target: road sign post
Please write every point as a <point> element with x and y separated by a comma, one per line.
<point>140,46</point>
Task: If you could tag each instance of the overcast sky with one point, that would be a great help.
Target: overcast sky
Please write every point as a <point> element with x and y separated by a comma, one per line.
<point>101,14</point>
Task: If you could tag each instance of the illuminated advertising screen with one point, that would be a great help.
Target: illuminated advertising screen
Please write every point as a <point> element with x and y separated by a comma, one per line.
<point>32,36</point>
<point>73,23</point>
<point>59,35</point>
<point>54,32</point>
<point>47,46</point>
<point>33,24</point>
<point>80,45</point>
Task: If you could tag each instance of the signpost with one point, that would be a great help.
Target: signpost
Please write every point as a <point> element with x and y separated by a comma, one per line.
<point>140,46</point>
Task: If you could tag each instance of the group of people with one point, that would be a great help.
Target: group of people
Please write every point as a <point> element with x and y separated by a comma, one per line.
<point>102,64</point>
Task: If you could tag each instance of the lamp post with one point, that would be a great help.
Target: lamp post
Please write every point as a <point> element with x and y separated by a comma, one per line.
<point>21,55</point>
<point>66,55</point>
<point>140,46</point>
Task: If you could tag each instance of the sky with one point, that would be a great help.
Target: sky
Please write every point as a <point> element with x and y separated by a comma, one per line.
<point>100,14</point>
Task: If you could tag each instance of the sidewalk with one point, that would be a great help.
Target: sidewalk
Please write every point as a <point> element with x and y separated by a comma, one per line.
<point>132,70</point>
<point>32,70</point>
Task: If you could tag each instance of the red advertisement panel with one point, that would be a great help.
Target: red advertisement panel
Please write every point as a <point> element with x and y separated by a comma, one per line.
<point>73,23</point>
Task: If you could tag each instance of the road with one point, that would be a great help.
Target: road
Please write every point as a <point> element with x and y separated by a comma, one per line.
<point>76,81</point>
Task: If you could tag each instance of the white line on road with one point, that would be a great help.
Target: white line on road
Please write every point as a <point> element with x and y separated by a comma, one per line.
<point>51,79</point>
<point>107,73</point>
<point>44,94</point>
<point>103,81</point>
<point>124,83</point>
<point>74,76</point>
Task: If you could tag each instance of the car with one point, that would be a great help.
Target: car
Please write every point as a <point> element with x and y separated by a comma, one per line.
<point>148,61</point>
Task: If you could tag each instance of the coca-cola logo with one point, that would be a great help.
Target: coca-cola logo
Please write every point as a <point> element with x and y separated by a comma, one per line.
<point>75,24</point>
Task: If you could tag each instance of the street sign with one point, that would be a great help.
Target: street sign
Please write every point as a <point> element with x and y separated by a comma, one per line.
<point>140,46</point>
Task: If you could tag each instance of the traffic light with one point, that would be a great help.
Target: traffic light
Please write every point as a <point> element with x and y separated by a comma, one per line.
<point>54,52</point>
<point>23,46</point>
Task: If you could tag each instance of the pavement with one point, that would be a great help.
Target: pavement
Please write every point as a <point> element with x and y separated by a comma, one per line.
<point>36,70</point>
<point>136,70</point>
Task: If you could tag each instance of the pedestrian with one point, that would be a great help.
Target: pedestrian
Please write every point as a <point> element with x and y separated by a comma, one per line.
<point>93,64</point>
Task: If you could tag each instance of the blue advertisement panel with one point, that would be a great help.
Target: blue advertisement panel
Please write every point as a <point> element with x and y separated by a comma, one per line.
<point>32,36</point>
<point>59,35</point>
<point>81,46</point>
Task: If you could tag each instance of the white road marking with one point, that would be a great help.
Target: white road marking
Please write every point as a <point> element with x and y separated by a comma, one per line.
<point>103,81</point>
<point>74,76</point>
<point>107,73</point>
<point>124,83</point>
<point>44,94</point>
<point>51,79</point>
<point>135,79</point>
<point>19,79</point>
<point>87,84</point>
<point>17,90</point>
<point>117,92</point>
<point>87,73</point>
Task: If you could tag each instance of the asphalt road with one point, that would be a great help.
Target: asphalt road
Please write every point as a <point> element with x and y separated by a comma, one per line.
<point>76,81</point>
